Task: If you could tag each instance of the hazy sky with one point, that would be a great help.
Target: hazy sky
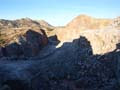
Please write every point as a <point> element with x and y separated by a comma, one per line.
<point>58,12</point>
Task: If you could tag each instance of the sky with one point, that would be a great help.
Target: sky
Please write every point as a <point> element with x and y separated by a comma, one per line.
<point>58,12</point>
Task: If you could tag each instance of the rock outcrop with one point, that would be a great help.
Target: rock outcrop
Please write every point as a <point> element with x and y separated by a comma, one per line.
<point>28,44</point>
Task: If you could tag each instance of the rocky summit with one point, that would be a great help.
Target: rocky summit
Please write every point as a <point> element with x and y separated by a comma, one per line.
<point>83,55</point>
<point>88,22</point>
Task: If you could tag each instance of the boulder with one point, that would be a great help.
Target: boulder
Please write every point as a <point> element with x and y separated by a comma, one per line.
<point>35,40</point>
<point>28,44</point>
<point>36,37</point>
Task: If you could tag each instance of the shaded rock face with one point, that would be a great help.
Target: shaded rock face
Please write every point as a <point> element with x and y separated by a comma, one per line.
<point>73,66</point>
<point>0,51</point>
<point>118,62</point>
<point>36,40</point>
<point>13,50</point>
<point>28,45</point>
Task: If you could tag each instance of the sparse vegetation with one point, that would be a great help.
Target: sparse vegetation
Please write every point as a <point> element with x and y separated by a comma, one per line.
<point>50,29</point>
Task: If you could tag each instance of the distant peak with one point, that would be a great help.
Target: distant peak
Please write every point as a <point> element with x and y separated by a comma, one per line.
<point>44,23</point>
<point>87,22</point>
<point>26,18</point>
<point>83,16</point>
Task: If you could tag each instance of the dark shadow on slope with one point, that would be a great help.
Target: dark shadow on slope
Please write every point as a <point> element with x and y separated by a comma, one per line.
<point>72,66</point>
<point>54,40</point>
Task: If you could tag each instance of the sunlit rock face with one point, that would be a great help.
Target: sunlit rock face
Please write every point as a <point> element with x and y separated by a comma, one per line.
<point>103,34</point>
<point>87,22</point>
<point>102,41</point>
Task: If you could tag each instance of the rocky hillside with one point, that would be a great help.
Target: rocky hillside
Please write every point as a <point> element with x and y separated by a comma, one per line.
<point>102,41</point>
<point>103,34</point>
<point>23,23</point>
<point>11,29</point>
<point>83,55</point>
